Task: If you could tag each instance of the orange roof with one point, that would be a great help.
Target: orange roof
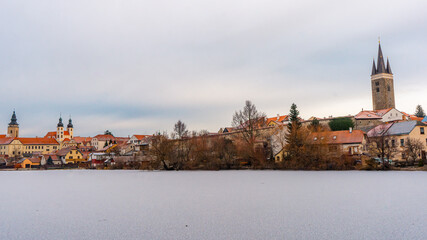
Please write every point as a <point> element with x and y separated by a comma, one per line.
<point>336,137</point>
<point>38,141</point>
<point>82,139</point>
<point>34,160</point>
<point>50,134</point>
<point>372,114</point>
<point>103,137</point>
<point>6,140</point>
<point>140,137</point>
<point>381,112</point>
<point>367,115</point>
<point>53,134</point>
<point>415,118</point>
<point>2,135</point>
<point>66,140</point>
<point>278,119</point>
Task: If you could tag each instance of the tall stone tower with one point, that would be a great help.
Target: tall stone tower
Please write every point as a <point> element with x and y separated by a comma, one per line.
<point>382,83</point>
<point>60,130</point>
<point>13,128</point>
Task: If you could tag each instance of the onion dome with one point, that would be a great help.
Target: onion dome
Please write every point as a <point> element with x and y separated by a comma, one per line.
<point>13,120</point>
<point>70,124</point>
<point>60,124</point>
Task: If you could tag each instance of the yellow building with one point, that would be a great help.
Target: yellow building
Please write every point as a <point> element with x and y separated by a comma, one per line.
<point>29,162</point>
<point>70,155</point>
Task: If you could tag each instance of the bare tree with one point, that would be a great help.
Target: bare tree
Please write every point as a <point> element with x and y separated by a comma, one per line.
<point>248,121</point>
<point>413,149</point>
<point>180,129</point>
<point>381,144</point>
<point>161,149</point>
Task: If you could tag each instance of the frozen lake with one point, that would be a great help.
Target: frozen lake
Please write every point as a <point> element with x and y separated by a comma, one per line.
<point>84,204</point>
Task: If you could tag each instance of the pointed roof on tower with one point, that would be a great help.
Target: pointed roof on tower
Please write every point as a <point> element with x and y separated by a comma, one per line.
<point>374,69</point>
<point>388,67</point>
<point>380,60</point>
<point>13,120</point>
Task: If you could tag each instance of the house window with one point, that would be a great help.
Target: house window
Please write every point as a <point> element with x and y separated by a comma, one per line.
<point>422,130</point>
<point>393,143</point>
<point>378,89</point>
<point>388,88</point>
<point>402,142</point>
<point>403,155</point>
<point>377,83</point>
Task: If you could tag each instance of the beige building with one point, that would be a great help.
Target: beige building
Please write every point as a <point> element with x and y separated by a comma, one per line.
<point>398,134</point>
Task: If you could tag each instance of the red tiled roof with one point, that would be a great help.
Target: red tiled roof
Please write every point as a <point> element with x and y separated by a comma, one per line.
<point>82,139</point>
<point>278,119</point>
<point>6,140</point>
<point>53,134</point>
<point>66,140</point>
<point>38,141</point>
<point>415,118</point>
<point>34,160</point>
<point>103,137</point>
<point>50,134</point>
<point>367,115</point>
<point>337,137</point>
<point>2,135</point>
<point>140,137</point>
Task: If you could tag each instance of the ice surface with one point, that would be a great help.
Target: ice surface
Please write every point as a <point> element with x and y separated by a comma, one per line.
<point>84,204</point>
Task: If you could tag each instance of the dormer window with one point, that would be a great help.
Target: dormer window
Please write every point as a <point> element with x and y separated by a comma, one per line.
<point>315,139</point>
<point>334,137</point>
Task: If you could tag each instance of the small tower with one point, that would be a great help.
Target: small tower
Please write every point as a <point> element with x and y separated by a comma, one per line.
<point>60,130</point>
<point>13,128</point>
<point>382,83</point>
<point>70,128</point>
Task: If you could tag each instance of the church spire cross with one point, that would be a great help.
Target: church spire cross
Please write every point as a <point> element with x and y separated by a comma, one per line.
<point>380,61</point>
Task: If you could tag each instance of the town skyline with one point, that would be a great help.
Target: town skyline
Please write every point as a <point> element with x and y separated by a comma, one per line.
<point>117,78</point>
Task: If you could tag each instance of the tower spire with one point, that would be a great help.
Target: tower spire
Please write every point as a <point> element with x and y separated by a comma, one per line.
<point>380,60</point>
<point>13,120</point>
<point>388,67</point>
<point>374,69</point>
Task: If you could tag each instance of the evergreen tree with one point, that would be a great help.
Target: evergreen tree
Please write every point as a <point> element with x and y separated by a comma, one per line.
<point>315,125</point>
<point>294,118</point>
<point>294,137</point>
<point>419,112</point>
<point>342,123</point>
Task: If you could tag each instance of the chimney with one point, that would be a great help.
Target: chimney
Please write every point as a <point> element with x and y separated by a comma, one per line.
<point>351,129</point>
<point>278,116</point>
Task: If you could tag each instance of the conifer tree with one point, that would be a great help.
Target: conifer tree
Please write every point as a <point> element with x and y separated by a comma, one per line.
<point>419,111</point>
<point>315,125</point>
<point>294,136</point>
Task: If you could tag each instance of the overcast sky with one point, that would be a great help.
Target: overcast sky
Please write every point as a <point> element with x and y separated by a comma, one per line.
<point>136,67</point>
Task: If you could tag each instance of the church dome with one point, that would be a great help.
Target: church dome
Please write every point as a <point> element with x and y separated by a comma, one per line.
<point>70,124</point>
<point>60,124</point>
